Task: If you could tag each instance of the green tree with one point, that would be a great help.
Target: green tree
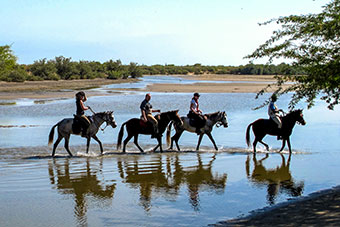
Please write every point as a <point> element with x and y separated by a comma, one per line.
<point>312,42</point>
<point>44,69</point>
<point>65,68</point>
<point>134,70</point>
<point>7,61</point>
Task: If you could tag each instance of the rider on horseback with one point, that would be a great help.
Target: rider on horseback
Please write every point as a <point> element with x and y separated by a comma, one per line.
<point>85,122</point>
<point>273,112</point>
<point>146,110</point>
<point>196,114</point>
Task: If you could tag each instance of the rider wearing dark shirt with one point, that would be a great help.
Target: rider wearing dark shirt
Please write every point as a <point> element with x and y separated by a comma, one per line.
<point>80,113</point>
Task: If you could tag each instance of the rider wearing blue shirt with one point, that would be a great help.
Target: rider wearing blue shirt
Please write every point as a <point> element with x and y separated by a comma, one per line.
<point>273,111</point>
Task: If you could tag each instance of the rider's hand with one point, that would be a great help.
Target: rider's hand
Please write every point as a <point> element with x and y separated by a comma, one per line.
<point>145,120</point>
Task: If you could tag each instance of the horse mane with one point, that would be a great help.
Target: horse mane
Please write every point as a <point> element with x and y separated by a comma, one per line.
<point>165,113</point>
<point>212,114</point>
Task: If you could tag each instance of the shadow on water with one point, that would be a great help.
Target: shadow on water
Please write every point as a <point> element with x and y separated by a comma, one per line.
<point>277,180</point>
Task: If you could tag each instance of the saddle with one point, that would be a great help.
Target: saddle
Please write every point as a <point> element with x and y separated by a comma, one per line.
<point>145,124</point>
<point>193,122</point>
<point>77,125</point>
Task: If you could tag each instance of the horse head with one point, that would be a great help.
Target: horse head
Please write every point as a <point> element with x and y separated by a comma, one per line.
<point>298,116</point>
<point>220,118</point>
<point>175,117</point>
<point>223,120</point>
<point>108,118</point>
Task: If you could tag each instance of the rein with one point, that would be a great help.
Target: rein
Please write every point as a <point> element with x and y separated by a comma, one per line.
<point>97,121</point>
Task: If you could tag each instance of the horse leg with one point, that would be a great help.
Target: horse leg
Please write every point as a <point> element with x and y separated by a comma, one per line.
<point>283,144</point>
<point>67,139</point>
<point>176,138</point>
<point>136,143</point>
<point>159,139</point>
<point>88,144</point>
<point>212,140</point>
<point>266,145</point>
<point>199,142</point>
<point>100,143</point>
<point>126,141</point>
<point>56,144</point>
<point>289,147</point>
<point>254,145</point>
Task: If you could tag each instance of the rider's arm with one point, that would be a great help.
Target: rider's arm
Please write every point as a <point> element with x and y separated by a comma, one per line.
<point>144,115</point>
<point>192,108</point>
<point>82,105</point>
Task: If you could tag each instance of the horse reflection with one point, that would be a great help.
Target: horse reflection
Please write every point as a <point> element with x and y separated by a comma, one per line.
<point>165,176</point>
<point>81,185</point>
<point>278,180</point>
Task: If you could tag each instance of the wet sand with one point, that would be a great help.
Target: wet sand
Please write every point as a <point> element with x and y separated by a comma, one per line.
<point>318,209</point>
<point>65,89</point>
<point>53,89</point>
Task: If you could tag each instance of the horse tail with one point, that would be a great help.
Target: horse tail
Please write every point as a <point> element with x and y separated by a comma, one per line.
<point>247,134</point>
<point>120,136</point>
<point>168,131</point>
<point>51,135</point>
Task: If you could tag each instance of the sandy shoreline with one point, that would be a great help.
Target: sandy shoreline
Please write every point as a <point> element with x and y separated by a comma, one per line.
<point>65,89</point>
<point>320,208</point>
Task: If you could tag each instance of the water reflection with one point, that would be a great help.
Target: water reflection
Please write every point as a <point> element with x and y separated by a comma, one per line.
<point>83,184</point>
<point>167,176</point>
<point>170,177</point>
<point>278,180</point>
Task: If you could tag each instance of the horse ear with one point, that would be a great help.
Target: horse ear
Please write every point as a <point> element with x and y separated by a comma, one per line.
<point>176,111</point>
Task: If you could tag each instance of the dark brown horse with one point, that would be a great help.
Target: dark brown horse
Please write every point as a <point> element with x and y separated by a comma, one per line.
<point>136,126</point>
<point>262,127</point>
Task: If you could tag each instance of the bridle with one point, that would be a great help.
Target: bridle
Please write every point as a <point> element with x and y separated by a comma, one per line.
<point>96,121</point>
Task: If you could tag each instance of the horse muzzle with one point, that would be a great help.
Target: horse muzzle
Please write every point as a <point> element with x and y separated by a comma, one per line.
<point>113,124</point>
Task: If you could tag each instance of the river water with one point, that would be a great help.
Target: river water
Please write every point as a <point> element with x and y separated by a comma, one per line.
<point>173,188</point>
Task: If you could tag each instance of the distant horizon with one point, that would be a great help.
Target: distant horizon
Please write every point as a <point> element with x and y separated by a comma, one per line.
<point>150,32</point>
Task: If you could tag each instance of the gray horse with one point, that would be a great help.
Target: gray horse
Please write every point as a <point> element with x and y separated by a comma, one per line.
<point>65,130</point>
<point>218,118</point>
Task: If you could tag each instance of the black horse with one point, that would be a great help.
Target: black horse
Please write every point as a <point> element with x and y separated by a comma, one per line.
<point>136,126</point>
<point>262,127</point>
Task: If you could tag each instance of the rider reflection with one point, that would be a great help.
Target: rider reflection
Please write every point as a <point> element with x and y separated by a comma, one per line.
<point>278,180</point>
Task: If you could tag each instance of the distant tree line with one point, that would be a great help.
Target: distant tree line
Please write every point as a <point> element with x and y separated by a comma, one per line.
<point>249,69</point>
<point>62,68</point>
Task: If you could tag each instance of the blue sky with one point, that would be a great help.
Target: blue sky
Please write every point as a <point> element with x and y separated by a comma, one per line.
<point>210,32</point>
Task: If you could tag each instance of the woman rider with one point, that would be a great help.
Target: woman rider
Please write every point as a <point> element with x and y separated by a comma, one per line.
<point>85,122</point>
<point>196,114</point>
<point>273,112</point>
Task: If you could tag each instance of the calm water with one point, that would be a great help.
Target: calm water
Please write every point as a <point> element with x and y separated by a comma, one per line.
<point>188,188</point>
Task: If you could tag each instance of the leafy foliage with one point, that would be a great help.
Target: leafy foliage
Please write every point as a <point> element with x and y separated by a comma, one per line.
<point>312,42</point>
